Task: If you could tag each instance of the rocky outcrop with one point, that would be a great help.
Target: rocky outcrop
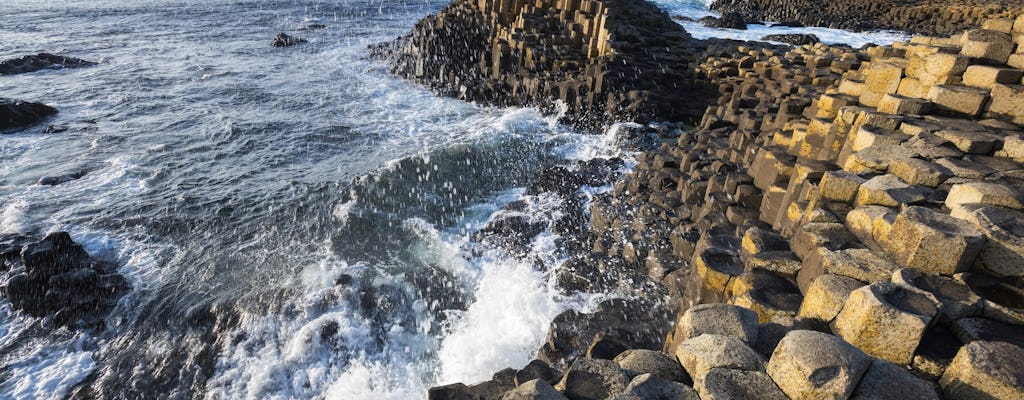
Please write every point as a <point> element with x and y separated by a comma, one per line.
<point>17,114</point>
<point>56,279</point>
<point>36,62</point>
<point>285,40</point>
<point>930,17</point>
<point>842,224</point>
<point>603,59</point>
<point>798,39</point>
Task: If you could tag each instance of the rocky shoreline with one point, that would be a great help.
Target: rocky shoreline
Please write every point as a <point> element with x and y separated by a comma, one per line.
<point>922,16</point>
<point>842,223</point>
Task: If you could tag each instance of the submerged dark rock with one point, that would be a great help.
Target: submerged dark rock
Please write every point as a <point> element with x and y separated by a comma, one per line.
<point>284,40</point>
<point>57,279</point>
<point>61,179</point>
<point>17,113</point>
<point>797,39</point>
<point>36,62</point>
<point>313,27</point>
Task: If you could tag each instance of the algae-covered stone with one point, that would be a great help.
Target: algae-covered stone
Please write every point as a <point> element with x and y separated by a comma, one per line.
<point>816,365</point>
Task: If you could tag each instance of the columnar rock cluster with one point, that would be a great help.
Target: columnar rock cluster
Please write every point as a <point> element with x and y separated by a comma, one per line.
<point>605,59</point>
<point>919,16</point>
<point>843,224</point>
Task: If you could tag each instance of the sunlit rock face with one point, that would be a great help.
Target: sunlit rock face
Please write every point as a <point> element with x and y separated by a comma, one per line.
<point>604,59</point>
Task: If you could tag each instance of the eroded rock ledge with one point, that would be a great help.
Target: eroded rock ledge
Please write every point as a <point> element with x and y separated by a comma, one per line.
<point>929,17</point>
<point>605,59</point>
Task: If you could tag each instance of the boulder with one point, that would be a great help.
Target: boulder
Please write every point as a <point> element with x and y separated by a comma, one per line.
<point>735,384</point>
<point>728,20</point>
<point>284,40</point>
<point>796,39</point>
<point>826,296</point>
<point>886,320</point>
<point>650,387</point>
<point>636,362</point>
<point>1003,252</point>
<point>536,369</point>
<point>815,365</point>
<point>985,370</point>
<point>888,381</point>
<point>589,379</point>
<point>700,354</point>
<point>958,300</point>
<point>537,389</point>
<point>717,319</point>
<point>767,294</point>
<point>17,114</point>
<point>36,62</point>
<point>933,242</point>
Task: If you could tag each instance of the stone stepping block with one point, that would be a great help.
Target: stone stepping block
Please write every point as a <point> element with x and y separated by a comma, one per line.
<point>815,365</point>
<point>886,320</point>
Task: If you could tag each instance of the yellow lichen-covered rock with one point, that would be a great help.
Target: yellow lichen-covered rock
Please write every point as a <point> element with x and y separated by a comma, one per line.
<point>985,76</point>
<point>840,186</point>
<point>984,193</point>
<point>886,320</point>
<point>933,242</point>
<point>958,99</point>
<point>902,105</point>
<point>814,365</point>
<point>702,353</point>
<point>988,45</point>
<point>985,370</point>
<point>826,295</point>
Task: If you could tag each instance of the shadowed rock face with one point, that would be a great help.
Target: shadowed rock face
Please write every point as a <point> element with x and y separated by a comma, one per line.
<point>930,17</point>
<point>605,59</point>
<point>36,62</point>
<point>16,113</point>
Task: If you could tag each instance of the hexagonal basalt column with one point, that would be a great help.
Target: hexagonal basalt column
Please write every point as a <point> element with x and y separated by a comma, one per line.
<point>886,320</point>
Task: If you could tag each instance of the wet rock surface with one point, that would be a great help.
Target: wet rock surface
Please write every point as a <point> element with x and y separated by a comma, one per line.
<point>18,114</point>
<point>36,62</point>
<point>285,40</point>
<point>57,280</point>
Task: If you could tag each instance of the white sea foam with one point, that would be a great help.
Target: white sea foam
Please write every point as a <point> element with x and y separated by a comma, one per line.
<point>48,372</point>
<point>699,8</point>
<point>13,217</point>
